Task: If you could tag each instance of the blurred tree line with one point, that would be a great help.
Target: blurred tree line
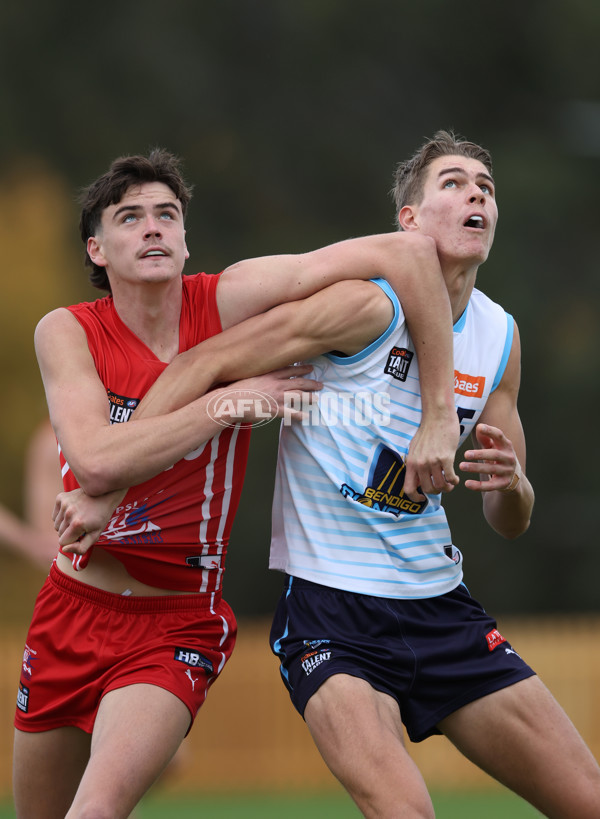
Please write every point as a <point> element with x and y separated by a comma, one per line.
<point>290,118</point>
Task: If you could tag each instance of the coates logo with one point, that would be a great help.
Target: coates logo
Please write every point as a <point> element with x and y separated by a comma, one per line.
<point>470,385</point>
<point>242,407</point>
<point>494,639</point>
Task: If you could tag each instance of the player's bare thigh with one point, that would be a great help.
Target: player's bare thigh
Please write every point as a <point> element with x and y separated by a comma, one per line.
<point>358,731</point>
<point>344,700</point>
<point>137,731</point>
<point>521,736</point>
<point>47,768</point>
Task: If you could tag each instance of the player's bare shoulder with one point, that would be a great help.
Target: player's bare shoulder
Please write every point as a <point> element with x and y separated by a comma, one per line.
<point>58,336</point>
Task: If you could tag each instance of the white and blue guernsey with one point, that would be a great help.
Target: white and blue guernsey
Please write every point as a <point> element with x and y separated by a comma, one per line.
<point>340,517</point>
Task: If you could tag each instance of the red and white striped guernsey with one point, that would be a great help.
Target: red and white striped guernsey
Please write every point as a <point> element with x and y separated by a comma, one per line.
<point>173,530</point>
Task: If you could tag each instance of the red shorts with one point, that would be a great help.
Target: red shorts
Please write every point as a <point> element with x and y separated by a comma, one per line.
<point>84,642</point>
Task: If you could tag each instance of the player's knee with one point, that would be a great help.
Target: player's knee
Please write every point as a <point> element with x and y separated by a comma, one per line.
<point>391,799</point>
<point>394,806</point>
<point>97,809</point>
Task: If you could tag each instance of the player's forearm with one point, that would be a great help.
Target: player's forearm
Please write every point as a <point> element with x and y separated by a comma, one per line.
<point>172,419</point>
<point>247,349</point>
<point>255,346</point>
<point>258,344</point>
<point>124,455</point>
<point>420,287</point>
<point>509,513</point>
<point>188,377</point>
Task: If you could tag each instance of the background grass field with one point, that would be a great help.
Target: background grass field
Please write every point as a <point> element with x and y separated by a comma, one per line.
<point>494,805</point>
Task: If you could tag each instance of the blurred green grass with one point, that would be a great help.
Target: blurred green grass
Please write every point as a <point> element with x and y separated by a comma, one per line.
<point>488,805</point>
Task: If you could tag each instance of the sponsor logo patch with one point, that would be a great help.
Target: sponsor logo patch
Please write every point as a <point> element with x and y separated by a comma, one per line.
<point>469,385</point>
<point>23,698</point>
<point>384,491</point>
<point>191,657</point>
<point>398,363</point>
<point>494,639</point>
<point>314,659</point>
<point>121,407</point>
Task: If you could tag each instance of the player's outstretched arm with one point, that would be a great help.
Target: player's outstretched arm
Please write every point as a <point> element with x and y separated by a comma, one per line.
<point>299,330</point>
<point>344,320</point>
<point>408,261</point>
<point>104,456</point>
<point>346,316</point>
<point>253,286</point>
<point>80,518</point>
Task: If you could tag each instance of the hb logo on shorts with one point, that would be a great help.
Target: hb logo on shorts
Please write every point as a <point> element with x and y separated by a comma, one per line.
<point>23,698</point>
<point>193,658</point>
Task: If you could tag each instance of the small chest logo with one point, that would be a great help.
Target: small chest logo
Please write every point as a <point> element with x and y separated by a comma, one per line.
<point>398,363</point>
<point>23,698</point>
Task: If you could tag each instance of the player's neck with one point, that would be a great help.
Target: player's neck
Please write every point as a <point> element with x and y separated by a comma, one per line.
<point>460,281</point>
<point>152,312</point>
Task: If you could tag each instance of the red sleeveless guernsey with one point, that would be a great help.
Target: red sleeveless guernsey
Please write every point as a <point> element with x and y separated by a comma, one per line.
<point>173,530</point>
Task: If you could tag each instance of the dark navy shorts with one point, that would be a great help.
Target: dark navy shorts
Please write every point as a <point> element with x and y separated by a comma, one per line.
<point>431,655</point>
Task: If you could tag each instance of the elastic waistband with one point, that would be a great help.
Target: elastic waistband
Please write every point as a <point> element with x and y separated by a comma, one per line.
<point>131,603</point>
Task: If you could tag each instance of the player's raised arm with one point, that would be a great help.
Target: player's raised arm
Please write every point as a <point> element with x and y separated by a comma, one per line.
<point>408,261</point>
<point>252,286</point>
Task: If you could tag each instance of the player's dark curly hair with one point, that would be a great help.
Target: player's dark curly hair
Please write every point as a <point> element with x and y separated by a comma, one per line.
<point>109,189</point>
<point>409,179</point>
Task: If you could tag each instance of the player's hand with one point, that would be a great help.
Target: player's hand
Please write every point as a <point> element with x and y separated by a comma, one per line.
<point>496,461</point>
<point>80,519</point>
<point>430,459</point>
<point>281,393</point>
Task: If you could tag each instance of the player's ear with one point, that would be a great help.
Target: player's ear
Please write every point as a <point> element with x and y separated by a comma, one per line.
<point>95,251</point>
<point>407,218</point>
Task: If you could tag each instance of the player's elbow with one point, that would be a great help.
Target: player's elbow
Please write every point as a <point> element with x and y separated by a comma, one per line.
<point>514,531</point>
<point>510,526</point>
<point>421,246</point>
<point>96,476</point>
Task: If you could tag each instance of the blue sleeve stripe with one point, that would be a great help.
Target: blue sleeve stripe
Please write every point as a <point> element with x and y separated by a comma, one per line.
<point>510,329</point>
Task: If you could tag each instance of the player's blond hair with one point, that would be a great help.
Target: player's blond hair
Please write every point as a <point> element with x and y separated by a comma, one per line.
<point>409,179</point>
